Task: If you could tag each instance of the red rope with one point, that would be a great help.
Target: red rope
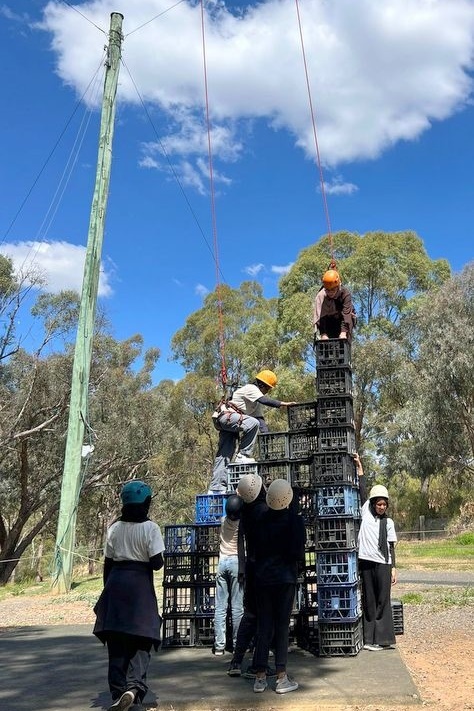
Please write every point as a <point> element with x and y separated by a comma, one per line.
<point>213,212</point>
<point>315,134</point>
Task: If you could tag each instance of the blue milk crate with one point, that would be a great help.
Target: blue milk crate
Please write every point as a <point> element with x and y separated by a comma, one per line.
<point>336,410</point>
<point>179,539</point>
<point>302,416</point>
<point>300,473</point>
<point>236,471</point>
<point>269,471</point>
<point>334,381</point>
<point>303,444</point>
<point>339,602</point>
<point>272,445</point>
<point>342,500</point>
<point>210,508</point>
<point>204,598</point>
<point>334,438</point>
<point>336,534</point>
<point>333,468</point>
<point>207,538</point>
<point>340,639</point>
<point>332,352</point>
<point>336,567</point>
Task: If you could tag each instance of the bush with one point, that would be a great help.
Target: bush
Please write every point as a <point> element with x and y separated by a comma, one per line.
<point>465,539</point>
<point>464,523</point>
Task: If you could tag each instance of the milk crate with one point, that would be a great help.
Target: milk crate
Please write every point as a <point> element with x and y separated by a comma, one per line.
<point>210,508</point>
<point>309,565</point>
<point>272,445</point>
<point>269,471</point>
<point>178,568</point>
<point>300,473</point>
<point>306,504</point>
<point>309,596</point>
<point>302,416</point>
<point>204,598</point>
<point>334,438</point>
<point>332,352</point>
<point>205,567</point>
<point>336,567</point>
<point>333,468</point>
<point>179,539</point>
<point>335,411</point>
<point>178,599</point>
<point>340,639</point>
<point>177,632</point>
<point>236,471</point>
<point>203,629</point>
<point>397,615</point>
<point>207,539</point>
<point>336,534</point>
<point>339,602</point>
<point>310,531</point>
<point>307,635</point>
<point>302,444</point>
<point>334,381</point>
<point>341,500</point>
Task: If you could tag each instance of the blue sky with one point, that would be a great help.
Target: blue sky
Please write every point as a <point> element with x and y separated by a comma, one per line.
<point>392,89</point>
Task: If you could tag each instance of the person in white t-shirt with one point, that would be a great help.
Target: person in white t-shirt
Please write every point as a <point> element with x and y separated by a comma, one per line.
<point>377,539</point>
<point>238,422</point>
<point>127,616</point>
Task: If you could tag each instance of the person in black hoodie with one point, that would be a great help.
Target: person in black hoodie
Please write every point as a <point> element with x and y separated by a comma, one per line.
<point>127,618</point>
<point>279,546</point>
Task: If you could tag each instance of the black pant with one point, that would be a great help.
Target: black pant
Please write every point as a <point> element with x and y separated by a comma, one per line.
<point>129,657</point>
<point>376,586</point>
<point>248,623</point>
<point>274,605</point>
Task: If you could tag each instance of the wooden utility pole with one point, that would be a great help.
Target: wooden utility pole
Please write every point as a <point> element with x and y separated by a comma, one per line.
<point>78,406</point>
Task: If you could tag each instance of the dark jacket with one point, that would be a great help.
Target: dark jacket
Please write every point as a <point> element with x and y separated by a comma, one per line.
<point>279,546</point>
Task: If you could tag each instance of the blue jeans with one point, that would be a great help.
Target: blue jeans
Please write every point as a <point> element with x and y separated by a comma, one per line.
<point>227,584</point>
<point>230,426</point>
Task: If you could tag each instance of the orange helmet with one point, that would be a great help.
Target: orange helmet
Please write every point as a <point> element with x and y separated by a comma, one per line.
<point>268,377</point>
<point>331,279</point>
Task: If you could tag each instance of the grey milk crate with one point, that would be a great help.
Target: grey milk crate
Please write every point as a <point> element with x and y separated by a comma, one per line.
<point>332,352</point>
<point>303,444</point>
<point>273,445</point>
<point>397,616</point>
<point>334,381</point>
<point>236,471</point>
<point>336,438</point>
<point>340,639</point>
<point>333,468</point>
<point>336,533</point>
<point>300,473</point>
<point>335,410</point>
<point>302,416</point>
<point>271,470</point>
<point>177,631</point>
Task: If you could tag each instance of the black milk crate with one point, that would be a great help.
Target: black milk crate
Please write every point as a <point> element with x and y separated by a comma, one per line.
<point>306,504</point>
<point>339,603</point>
<point>273,445</point>
<point>339,500</point>
<point>302,416</point>
<point>336,534</point>
<point>236,471</point>
<point>334,438</point>
<point>310,531</point>
<point>337,410</point>
<point>334,381</point>
<point>397,616</point>
<point>333,468</point>
<point>179,539</point>
<point>204,598</point>
<point>309,565</point>
<point>177,631</point>
<point>300,473</point>
<point>336,567</point>
<point>178,599</point>
<point>205,567</point>
<point>178,568</point>
<point>298,600</point>
<point>203,628</point>
<point>340,639</point>
<point>303,444</point>
<point>269,471</point>
<point>335,351</point>
<point>309,593</point>
<point>307,635</point>
<point>210,508</point>
<point>207,539</point>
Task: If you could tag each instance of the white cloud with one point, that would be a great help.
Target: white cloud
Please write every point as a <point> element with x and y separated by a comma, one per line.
<point>254,269</point>
<point>281,269</point>
<point>201,290</point>
<point>380,72</point>
<point>337,186</point>
<point>60,263</point>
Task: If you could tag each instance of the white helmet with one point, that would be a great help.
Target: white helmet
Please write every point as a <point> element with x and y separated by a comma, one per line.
<point>378,492</point>
<point>249,487</point>
<point>279,494</point>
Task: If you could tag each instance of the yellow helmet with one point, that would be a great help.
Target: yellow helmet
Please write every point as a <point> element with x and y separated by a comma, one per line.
<point>268,377</point>
<point>331,279</point>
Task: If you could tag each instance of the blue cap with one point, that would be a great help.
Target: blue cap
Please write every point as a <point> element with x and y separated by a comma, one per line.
<point>135,492</point>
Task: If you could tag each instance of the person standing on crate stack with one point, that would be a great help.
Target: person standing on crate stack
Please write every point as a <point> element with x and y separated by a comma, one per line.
<point>242,415</point>
<point>333,314</point>
<point>127,618</point>
<point>377,539</point>
<point>228,581</point>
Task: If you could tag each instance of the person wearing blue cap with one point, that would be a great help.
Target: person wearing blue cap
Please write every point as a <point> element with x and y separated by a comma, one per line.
<point>127,616</point>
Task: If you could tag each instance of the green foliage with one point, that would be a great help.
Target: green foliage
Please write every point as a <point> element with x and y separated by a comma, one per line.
<point>412,598</point>
<point>465,539</point>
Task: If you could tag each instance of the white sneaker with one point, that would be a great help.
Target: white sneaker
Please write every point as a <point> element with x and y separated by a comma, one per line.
<point>124,702</point>
<point>373,647</point>
<point>243,459</point>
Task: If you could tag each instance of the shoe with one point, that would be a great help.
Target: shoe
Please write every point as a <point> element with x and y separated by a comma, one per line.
<point>243,459</point>
<point>234,669</point>
<point>373,647</point>
<point>124,702</point>
<point>218,652</point>
<point>260,684</point>
<point>251,672</point>
<point>285,684</point>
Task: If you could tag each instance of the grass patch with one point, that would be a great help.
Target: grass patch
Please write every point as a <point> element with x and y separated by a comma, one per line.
<point>447,554</point>
<point>440,598</point>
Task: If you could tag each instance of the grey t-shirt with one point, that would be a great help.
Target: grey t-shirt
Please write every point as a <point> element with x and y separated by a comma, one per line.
<point>245,398</point>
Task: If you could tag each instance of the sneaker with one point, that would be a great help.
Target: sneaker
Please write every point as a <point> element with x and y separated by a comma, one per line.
<point>251,672</point>
<point>243,459</point>
<point>218,652</point>
<point>373,647</point>
<point>260,684</point>
<point>285,684</point>
<point>234,669</point>
<point>124,702</point>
